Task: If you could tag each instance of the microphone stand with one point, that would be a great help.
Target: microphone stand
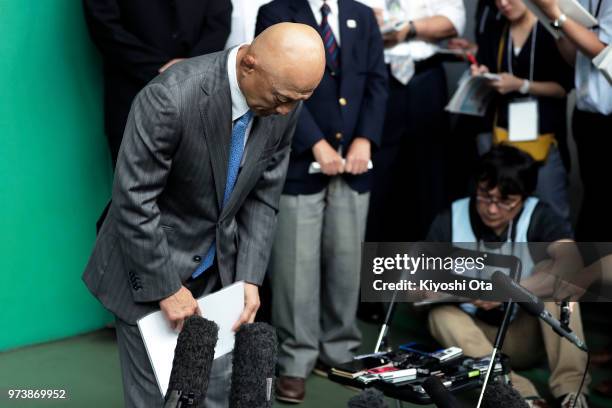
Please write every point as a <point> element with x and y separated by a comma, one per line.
<point>499,342</point>
<point>384,329</point>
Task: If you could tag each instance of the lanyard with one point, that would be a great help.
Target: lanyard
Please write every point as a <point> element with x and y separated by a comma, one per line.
<point>596,15</point>
<point>509,49</point>
<point>483,19</point>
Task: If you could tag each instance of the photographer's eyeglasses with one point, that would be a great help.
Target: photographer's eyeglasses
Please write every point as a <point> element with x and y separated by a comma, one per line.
<point>506,205</point>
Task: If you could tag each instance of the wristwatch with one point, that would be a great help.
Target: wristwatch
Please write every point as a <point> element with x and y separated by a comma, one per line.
<point>524,89</point>
<point>558,23</point>
<point>411,31</point>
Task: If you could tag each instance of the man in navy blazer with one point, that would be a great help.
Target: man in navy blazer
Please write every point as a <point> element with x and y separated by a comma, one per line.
<point>315,259</point>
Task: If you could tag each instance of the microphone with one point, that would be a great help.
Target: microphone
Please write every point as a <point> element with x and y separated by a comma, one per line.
<point>253,367</point>
<point>368,398</point>
<point>193,357</point>
<point>502,395</point>
<point>440,396</point>
<point>534,306</point>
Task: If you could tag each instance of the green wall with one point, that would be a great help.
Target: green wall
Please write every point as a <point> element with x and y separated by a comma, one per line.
<point>55,172</point>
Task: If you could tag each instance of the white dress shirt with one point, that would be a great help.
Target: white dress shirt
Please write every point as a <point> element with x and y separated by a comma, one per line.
<point>593,91</point>
<point>239,102</point>
<point>244,17</point>
<point>408,10</point>
<point>332,17</point>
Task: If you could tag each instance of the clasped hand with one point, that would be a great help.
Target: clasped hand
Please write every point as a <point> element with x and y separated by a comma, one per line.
<point>180,305</point>
<point>331,161</point>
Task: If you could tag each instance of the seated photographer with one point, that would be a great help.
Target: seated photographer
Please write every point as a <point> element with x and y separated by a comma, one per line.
<point>501,213</point>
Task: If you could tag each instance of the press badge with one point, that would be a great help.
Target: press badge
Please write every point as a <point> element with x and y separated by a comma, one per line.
<point>523,120</point>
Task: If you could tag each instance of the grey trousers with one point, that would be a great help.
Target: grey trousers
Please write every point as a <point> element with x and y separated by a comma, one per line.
<point>315,273</point>
<point>140,389</point>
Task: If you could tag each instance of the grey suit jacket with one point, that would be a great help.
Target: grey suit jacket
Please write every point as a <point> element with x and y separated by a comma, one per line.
<point>168,191</point>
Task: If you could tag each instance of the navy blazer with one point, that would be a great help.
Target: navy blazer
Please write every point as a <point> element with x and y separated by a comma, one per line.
<point>347,104</point>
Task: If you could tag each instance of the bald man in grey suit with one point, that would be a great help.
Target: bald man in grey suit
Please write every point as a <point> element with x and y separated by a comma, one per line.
<point>196,191</point>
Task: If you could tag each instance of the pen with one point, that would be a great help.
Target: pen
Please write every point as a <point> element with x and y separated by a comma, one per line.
<point>471,58</point>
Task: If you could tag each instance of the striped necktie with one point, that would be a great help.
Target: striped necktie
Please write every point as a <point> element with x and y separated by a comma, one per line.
<point>236,151</point>
<point>331,46</point>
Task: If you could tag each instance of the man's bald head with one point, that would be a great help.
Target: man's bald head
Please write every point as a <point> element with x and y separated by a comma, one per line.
<point>282,66</point>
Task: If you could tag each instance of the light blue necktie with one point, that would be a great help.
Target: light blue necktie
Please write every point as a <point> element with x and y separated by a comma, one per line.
<point>235,157</point>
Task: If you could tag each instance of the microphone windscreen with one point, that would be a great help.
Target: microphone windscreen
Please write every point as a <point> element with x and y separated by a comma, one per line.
<point>440,396</point>
<point>253,367</point>
<point>501,395</point>
<point>368,398</point>
<point>193,357</point>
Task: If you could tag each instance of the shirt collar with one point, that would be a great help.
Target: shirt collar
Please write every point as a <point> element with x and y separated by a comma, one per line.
<point>239,102</point>
<point>317,4</point>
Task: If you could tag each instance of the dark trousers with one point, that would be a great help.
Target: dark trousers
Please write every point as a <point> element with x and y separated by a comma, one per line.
<point>208,282</point>
<point>593,136</point>
<point>409,168</point>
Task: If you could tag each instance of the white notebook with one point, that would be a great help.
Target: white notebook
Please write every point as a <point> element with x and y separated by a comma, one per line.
<point>223,307</point>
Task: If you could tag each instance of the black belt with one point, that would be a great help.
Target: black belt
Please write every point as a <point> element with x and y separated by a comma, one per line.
<point>198,285</point>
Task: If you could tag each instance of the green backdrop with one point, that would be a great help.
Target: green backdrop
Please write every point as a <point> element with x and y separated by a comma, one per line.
<point>55,172</point>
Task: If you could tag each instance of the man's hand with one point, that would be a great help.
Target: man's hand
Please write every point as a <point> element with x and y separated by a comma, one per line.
<point>251,305</point>
<point>485,304</point>
<point>507,83</point>
<point>358,156</point>
<point>562,275</point>
<point>395,37</point>
<point>169,64</point>
<point>178,307</point>
<point>328,158</point>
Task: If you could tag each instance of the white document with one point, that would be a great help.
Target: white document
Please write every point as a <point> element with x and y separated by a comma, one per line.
<point>490,76</point>
<point>523,121</point>
<point>223,307</point>
<point>315,167</point>
<point>570,8</point>
<point>603,62</point>
<point>472,96</point>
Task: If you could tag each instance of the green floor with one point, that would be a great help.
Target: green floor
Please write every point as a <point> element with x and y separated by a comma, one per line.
<point>87,368</point>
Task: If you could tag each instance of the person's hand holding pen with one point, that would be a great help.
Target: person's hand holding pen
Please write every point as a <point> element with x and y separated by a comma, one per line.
<point>477,69</point>
<point>505,82</point>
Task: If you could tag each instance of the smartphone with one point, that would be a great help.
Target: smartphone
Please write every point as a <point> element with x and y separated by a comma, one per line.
<point>418,348</point>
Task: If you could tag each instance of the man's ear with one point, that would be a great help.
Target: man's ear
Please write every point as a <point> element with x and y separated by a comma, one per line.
<point>248,63</point>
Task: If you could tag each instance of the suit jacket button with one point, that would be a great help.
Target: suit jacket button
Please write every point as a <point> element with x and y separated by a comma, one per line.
<point>342,101</point>
<point>197,258</point>
<point>339,136</point>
